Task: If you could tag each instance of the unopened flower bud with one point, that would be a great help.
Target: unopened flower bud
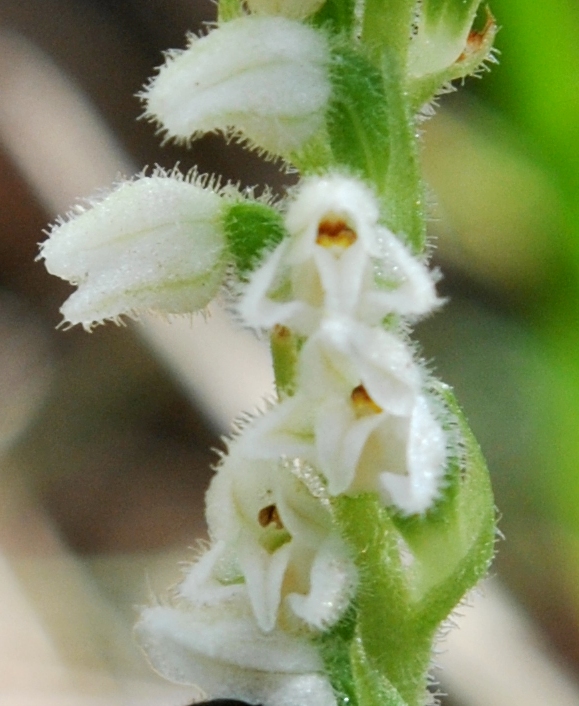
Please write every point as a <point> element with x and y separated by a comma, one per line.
<point>442,33</point>
<point>155,243</point>
<point>263,77</point>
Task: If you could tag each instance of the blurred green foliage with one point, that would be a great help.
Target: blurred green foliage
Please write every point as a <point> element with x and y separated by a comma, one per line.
<point>503,161</point>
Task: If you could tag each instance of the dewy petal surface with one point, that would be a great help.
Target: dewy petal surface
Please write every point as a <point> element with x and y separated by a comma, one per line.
<point>265,77</point>
<point>155,243</point>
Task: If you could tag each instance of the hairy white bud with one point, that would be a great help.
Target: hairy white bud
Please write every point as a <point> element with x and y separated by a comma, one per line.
<point>155,243</point>
<point>264,77</point>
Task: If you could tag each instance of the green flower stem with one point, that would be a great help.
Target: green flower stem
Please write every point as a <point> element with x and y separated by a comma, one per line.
<point>413,572</point>
<point>387,23</point>
<point>284,351</point>
<point>404,191</point>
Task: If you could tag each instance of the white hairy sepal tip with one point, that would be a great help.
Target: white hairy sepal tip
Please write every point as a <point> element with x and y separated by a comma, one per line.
<point>263,77</point>
<point>155,243</point>
<point>292,9</point>
<point>301,282</point>
<point>280,560</point>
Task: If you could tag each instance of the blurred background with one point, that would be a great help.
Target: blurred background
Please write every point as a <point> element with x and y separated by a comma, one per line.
<point>107,439</point>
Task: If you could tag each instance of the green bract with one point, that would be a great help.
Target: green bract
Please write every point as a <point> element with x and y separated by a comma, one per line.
<point>251,228</point>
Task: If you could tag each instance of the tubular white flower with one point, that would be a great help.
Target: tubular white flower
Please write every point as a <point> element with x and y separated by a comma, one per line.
<point>338,261</point>
<point>280,542</point>
<point>292,9</point>
<point>155,243</point>
<point>360,417</point>
<point>264,77</point>
<point>209,637</point>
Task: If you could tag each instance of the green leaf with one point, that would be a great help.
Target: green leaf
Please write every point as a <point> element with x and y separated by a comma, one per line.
<point>453,544</point>
<point>336,16</point>
<point>229,10</point>
<point>396,646</point>
<point>357,117</point>
<point>334,646</point>
<point>372,688</point>
<point>251,228</point>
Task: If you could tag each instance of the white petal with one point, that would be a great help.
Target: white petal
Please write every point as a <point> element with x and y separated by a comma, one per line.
<point>264,76</point>
<point>285,431</point>
<point>344,354</point>
<point>333,581</point>
<point>340,442</point>
<point>177,649</point>
<point>264,573</point>
<point>200,585</point>
<point>260,308</point>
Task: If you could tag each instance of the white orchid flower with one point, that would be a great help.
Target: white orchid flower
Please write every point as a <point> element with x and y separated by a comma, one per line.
<point>338,260</point>
<point>281,537</point>
<point>264,77</point>
<point>360,416</point>
<point>155,243</point>
<point>208,636</point>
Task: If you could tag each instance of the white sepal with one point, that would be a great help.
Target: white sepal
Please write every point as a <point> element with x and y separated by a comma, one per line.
<point>264,77</point>
<point>155,243</point>
<point>416,483</point>
<point>307,278</point>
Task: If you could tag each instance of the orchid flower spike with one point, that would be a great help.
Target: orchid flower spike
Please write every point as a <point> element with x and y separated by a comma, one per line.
<point>155,243</point>
<point>263,77</point>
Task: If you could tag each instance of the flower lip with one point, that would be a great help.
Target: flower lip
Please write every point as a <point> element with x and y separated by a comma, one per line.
<point>334,230</point>
<point>363,404</point>
<point>270,516</point>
